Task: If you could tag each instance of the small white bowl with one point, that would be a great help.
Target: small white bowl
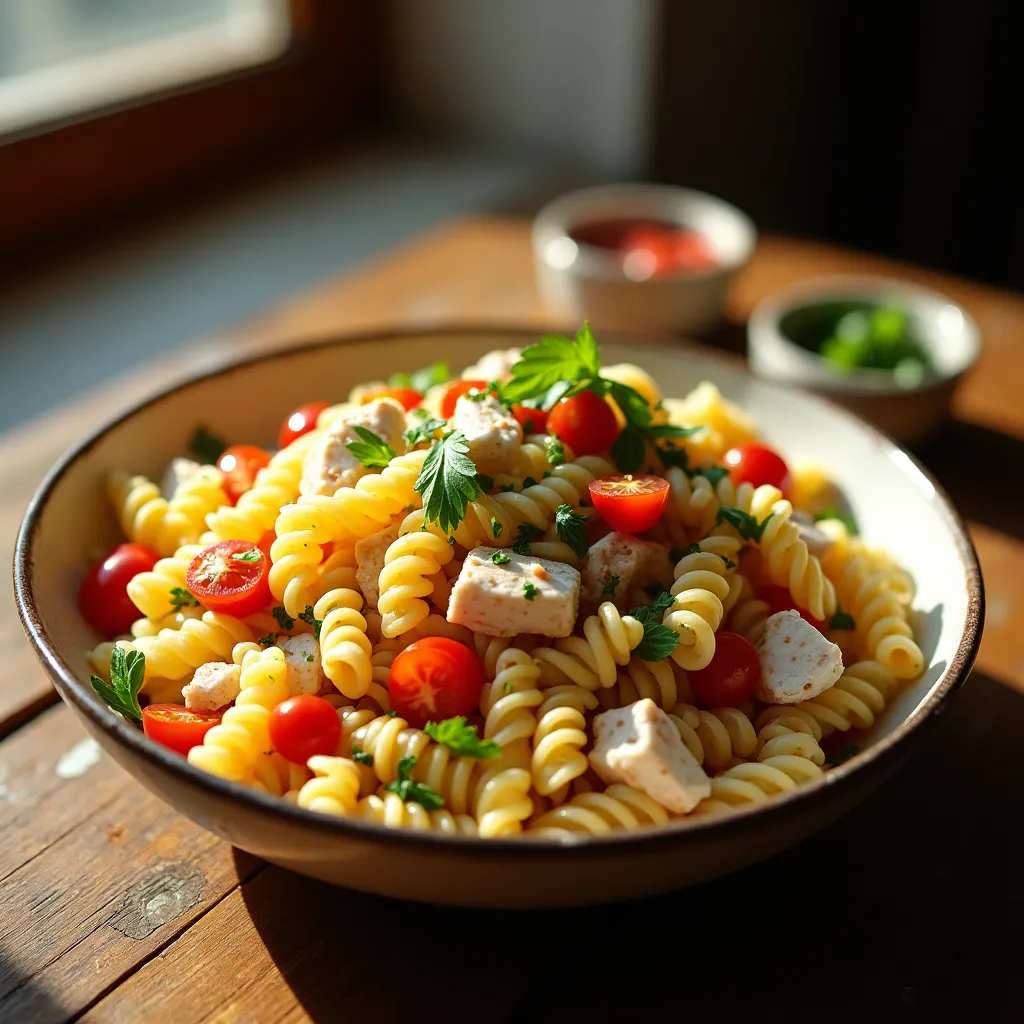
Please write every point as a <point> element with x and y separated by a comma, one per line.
<point>907,414</point>
<point>581,282</point>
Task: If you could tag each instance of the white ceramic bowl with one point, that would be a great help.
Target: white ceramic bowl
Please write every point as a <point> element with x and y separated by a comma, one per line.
<point>909,415</point>
<point>578,282</point>
<point>895,501</point>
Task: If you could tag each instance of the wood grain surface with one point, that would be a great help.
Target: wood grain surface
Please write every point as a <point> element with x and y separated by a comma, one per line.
<point>114,907</point>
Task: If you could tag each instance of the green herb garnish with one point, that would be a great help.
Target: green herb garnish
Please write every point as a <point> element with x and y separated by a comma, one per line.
<point>268,640</point>
<point>252,556</point>
<point>370,450</point>
<point>447,482</point>
<point>841,620</point>
<point>414,792</point>
<point>833,513</point>
<point>610,584</point>
<point>310,619</point>
<point>500,558</point>
<point>422,380</point>
<point>127,674</point>
<point>555,451</point>
<point>284,620</point>
<point>361,756</point>
<point>527,532</point>
<point>570,528</point>
<point>845,754</point>
<point>659,641</point>
<point>422,433</point>
<point>496,528</point>
<point>484,482</point>
<point>205,446</point>
<point>181,598</point>
<point>461,738</point>
<point>530,591</point>
<point>743,522</point>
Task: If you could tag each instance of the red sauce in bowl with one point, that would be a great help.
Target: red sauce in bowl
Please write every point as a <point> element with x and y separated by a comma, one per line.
<point>647,247</point>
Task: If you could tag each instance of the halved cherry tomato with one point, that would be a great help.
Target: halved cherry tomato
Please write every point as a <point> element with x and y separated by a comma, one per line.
<point>433,679</point>
<point>533,421</point>
<point>779,599</point>
<point>455,391</point>
<point>757,465</point>
<point>299,422</point>
<point>585,423</point>
<point>303,726</point>
<point>176,727</point>
<point>103,596</point>
<point>731,677</point>
<point>407,398</point>
<point>630,503</point>
<point>231,576</point>
<point>240,463</point>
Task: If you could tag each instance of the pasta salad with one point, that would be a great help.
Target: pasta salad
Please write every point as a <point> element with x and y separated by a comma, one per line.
<point>539,598</point>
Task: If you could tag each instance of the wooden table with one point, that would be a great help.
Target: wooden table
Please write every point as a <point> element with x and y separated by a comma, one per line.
<point>114,908</point>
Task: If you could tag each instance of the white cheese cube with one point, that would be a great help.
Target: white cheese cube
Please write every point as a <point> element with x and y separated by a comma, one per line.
<point>370,560</point>
<point>493,436</point>
<point>212,686</point>
<point>178,472</point>
<point>496,365</point>
<point>330,465</point>
<point>523,595</point>
<point>302,656</point>
<point>625,557</point>
<point>797,662</point>
<point>639,745</point>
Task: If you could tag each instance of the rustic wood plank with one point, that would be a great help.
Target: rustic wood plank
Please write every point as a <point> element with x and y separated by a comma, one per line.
<point>850,919</point>
<point>97,874</point>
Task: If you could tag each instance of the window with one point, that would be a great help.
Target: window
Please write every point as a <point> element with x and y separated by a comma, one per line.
<point>63,58</point>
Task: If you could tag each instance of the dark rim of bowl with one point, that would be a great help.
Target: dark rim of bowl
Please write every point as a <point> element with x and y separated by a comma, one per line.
<point>887,750</point>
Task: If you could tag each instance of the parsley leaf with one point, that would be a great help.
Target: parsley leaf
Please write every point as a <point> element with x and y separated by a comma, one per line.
<point>843,755</point>
<point>530,591</point>
<point>527,532</point>
<point>631,404</point>
<point>833,513</point>
<point>659,640</point>
<point>548,367</point>
<point>660,430</point>
<point>267,641</point>
<point>484,482</point>
<point>414,792</point>
<point>713,474</point>
<point>528,481</point>
<point>361,756</point>
<point>655,589</point>
<point>743,522</point>
<point>496,528</point>
<point>555,451</point>
<point>206,446</point>
<point>500,558</point>
<point>422,433</point>
<point>461,738</point>
<point>447,482</point>
<point>181,598</point>
<point>841,620</point>
<point>253,555</point>
<point>610,584</point>
<point>677,554</point>
<point>127,673</point>
<point>570,529</point>
<point>310,620</point>
<point>284,620</point>
<point>628,449</point>
<point>422,380</point>
<point>370,450</point>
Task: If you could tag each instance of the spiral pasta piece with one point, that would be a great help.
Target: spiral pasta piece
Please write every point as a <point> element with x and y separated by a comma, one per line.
<point>150,591</point>
<point>232,748</point>
<point>334,790</point>
<point>275,775</point>
<point>410,564</point>
<point>559,738</point>
<point>655,680</point>
<point>304,527</point>
<point>754,782</point>
<point>176,653</point>
<point>618,807</point>
<point>257,509</point>
<point>718,738</point>
<point>344,647</point>
<point>700,588</point>
<point>264,679</point>
<point>750,614</point>
<point>390,811</point>
<point>592,660</point>
<point>507,702</point>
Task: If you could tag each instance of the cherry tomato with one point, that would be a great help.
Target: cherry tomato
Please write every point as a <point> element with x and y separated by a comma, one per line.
<point>176,727</point>
<point>630,503</point>
<point>732,676</point>
<point>231,576</point>
<point>103,597</point>
<point>779,599</point>
<point>300,422</point>
<point>303,726</point>
<point>533,421</point>
<point>455,391</point>
<point>240,463</point>
<point>433,679</point>
<point>755,464</point>
<point>407,398</point>
<point>585,423</point>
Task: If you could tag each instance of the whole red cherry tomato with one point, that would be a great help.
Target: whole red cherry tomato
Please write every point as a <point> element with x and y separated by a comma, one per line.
<point>731,677</point>
<point>585,423</point>
<point>103,596</point>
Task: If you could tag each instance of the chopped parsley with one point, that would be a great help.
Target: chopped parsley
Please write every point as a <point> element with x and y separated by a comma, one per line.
<point>500,558</point>
<point>555,451</point>
<point>284,620</point>
<point>659,641</point>
<point>610,584</point>
<point>743,522</point>
<point>422,433</point>
<point>461,738</point>
<point>422,380</point>
<point>527,532</point>
<point>628,449</point>
<point>841,620</point>
<point>414,792</point>
<point>484,482</point>
<point>205,446</point>
<point>253,555</point>
<point>361,756</point>
<point>505,488</point>
<point>529,482</point>
<point>267,641</point>
<point>530,591</point>
<point>833,513</point>
<point>447,482</point>
<point>713,474</point>
<point>570,527</point>
<point>496,528</point>
<point>309,657</point>
<point>311,620</point>
<point>475,394</point>
<point>370,449</point>
<point>127,674</point>
<point>390,713</point>
<point>655,589</point>
<point>181,598</point>
<point>675,554</point>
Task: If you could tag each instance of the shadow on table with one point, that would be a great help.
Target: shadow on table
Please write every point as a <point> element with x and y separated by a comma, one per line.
<point>906,907</point>
<point>22,998</point>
